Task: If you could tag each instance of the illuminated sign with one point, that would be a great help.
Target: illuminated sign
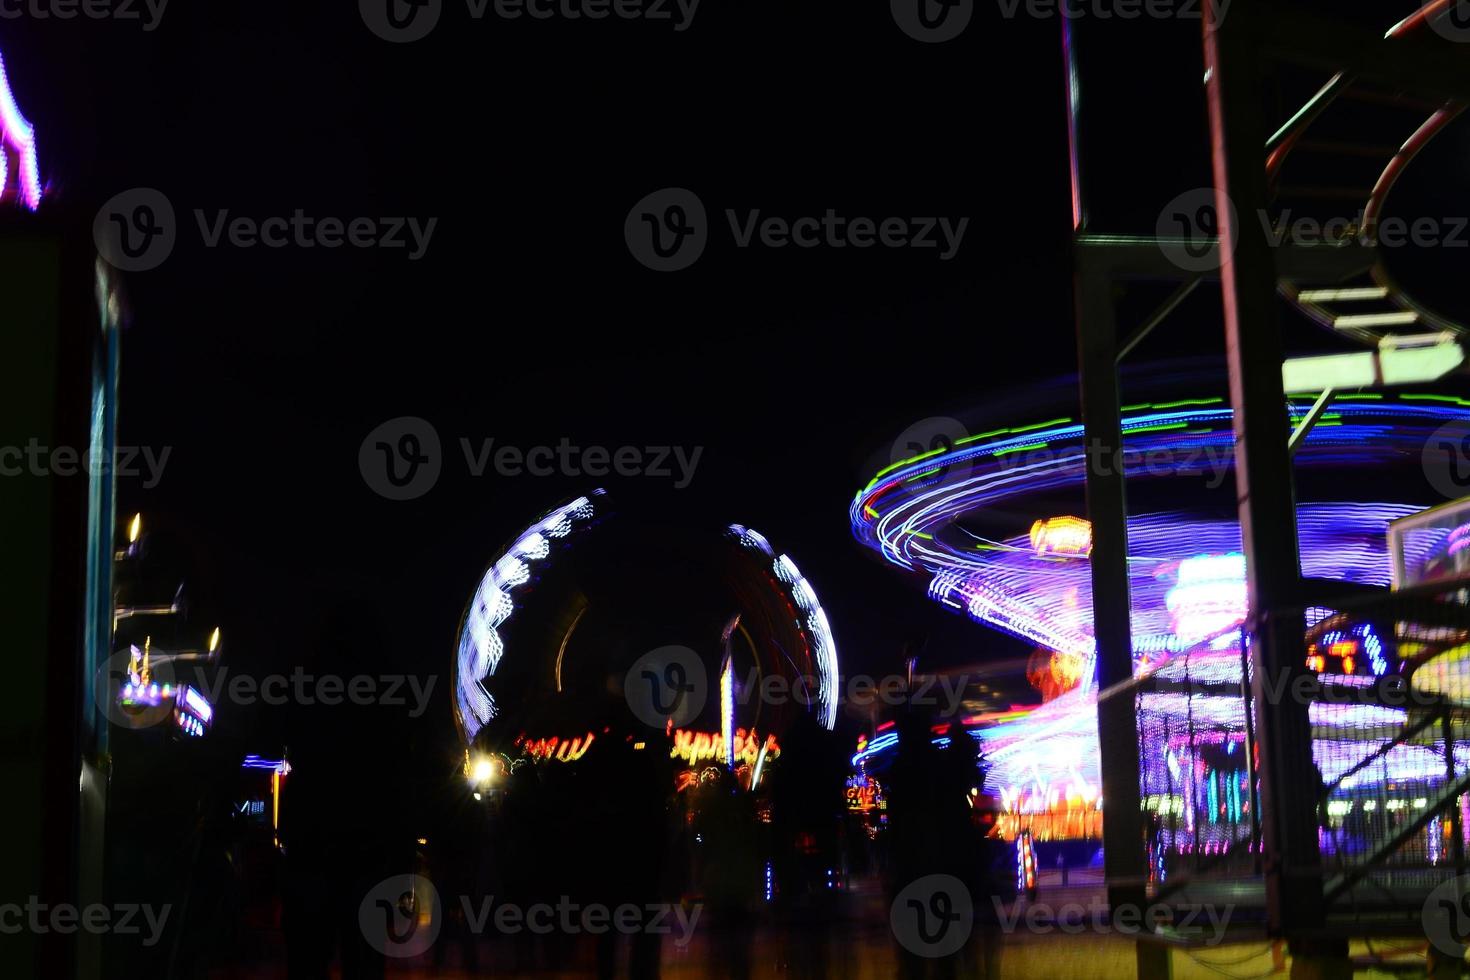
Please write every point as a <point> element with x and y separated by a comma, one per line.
<point>19,138</point>
<point>1062,536</point>
<point>196,703</point>
<point>864,794</point>
<point>696,747</point>
<point>559,749</point>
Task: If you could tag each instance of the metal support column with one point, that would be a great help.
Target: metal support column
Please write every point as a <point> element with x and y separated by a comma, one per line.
<point>1125,853</point>
<point>1263,474</point>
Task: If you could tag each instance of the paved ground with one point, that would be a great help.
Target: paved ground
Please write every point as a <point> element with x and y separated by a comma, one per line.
<point>862,947</point>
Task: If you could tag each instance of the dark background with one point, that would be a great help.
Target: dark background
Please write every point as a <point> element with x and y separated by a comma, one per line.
<point>529,321</point>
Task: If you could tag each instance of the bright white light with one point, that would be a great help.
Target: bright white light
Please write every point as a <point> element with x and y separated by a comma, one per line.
<point>480,644</point>
<point>824,647</point>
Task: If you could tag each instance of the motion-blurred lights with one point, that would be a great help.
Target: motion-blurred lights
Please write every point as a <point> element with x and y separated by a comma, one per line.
<point>19,137</point>
<point>481,772</point>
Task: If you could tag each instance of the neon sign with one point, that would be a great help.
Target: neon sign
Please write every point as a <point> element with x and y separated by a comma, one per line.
<point>196,703</point>
<point>696,747</point>
<point>1062,536</point>
<point>19,137</point>
<point>864,794</point>
<point>559,749</point>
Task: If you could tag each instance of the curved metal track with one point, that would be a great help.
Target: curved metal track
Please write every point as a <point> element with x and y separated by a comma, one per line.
<point>1368,305</point>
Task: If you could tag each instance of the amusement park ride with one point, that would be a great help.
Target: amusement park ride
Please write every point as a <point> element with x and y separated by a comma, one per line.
<point>1179,629</point>
<point>547,634</point>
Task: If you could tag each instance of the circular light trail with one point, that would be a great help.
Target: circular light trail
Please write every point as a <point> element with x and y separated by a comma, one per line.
<point>915,512</point>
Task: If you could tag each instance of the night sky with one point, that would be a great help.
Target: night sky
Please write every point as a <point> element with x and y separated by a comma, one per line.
<point>527,320</point>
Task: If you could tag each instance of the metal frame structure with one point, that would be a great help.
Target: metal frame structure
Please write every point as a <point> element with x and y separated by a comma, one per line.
<point>1245,160</point>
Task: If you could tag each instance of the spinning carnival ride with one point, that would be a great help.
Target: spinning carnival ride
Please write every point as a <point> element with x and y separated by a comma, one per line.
<point>1188,586</point>
<point>951,515</point>
<point>561,621</point>
<point>1037,584</point>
